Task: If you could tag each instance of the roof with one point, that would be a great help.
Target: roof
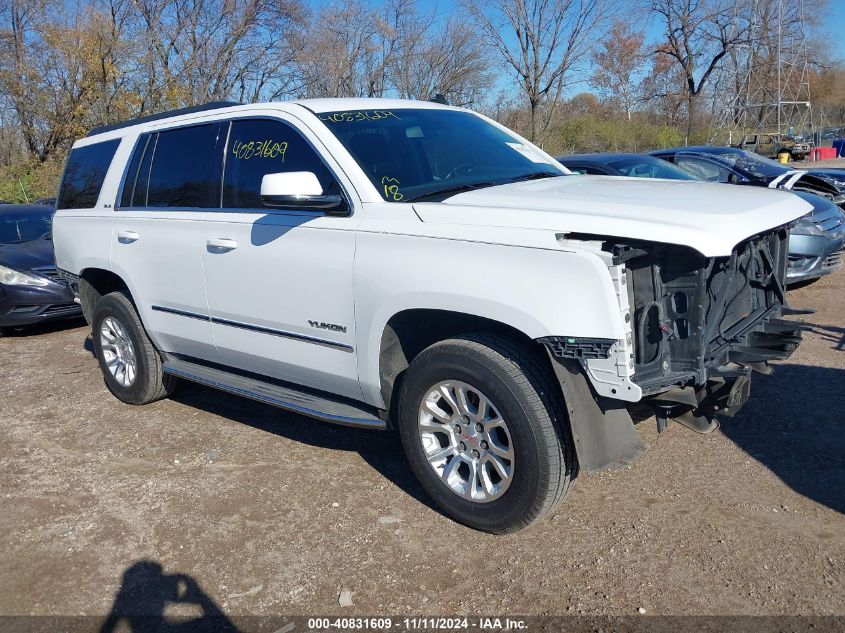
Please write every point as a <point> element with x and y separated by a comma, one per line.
<point>314,105</point>
<point>214,105</point>
<point>700,149</point>
<point>369,103</point>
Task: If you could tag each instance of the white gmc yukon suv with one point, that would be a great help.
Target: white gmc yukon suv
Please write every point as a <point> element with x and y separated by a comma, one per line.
<point>406,265</point>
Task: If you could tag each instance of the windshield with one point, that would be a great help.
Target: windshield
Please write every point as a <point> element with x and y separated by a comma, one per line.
<point>25,226</point>
<point>430,154</point>
<point>646,167</point>
<point>754,164</point>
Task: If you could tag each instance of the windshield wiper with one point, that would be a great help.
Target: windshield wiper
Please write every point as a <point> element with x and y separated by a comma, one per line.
<point>448,191</point>
<point>536,176</point>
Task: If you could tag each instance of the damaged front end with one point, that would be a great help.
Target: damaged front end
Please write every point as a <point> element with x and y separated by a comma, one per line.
<point>703,324</point>
<point>696,327</point>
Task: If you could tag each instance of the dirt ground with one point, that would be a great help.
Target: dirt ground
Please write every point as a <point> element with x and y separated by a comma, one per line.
<point>265,512</point>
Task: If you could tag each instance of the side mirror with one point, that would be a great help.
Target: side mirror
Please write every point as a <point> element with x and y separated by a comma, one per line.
<point>300,190</point>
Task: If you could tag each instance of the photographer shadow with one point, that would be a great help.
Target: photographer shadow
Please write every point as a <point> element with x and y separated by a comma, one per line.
<point>151,601</point>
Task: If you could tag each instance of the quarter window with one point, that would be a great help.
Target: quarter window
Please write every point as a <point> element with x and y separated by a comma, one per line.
<point>258,147</point>
<point>84,175</point>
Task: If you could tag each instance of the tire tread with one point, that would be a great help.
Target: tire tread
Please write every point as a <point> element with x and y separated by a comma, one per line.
<point>530,374</point>
<point>158,384</point>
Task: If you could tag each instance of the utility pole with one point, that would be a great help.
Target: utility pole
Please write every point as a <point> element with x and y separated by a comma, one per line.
<point>772,73</point>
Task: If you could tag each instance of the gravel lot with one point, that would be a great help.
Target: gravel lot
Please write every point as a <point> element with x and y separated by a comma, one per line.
<point>271,513</point>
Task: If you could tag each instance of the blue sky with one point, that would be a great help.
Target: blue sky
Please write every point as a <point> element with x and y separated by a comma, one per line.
<point>835,22</point>
<point>836,28</point>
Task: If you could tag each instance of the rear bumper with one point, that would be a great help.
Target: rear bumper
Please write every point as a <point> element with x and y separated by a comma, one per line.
<point>23,305</point>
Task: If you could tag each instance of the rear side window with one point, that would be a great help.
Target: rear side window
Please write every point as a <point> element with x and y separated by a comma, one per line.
<point>185,169</point>
<point>260,146</point>
<point>84,175</point>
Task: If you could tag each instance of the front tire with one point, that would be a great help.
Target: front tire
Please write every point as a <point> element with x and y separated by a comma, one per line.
<point>485,431</point>
<point>130,363</point>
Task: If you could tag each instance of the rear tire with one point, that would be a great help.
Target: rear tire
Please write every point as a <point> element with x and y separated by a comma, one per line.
<point>455,398</point>
<point>130,363</point>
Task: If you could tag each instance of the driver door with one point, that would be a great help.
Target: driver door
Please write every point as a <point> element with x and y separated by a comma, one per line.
<point>279,281</point>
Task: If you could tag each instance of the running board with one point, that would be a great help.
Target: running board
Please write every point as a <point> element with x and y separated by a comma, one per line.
<point>324,408</point>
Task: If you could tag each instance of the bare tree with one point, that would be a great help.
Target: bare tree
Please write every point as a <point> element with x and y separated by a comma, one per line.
<point>541,41</point>
<point>345,52</point>
<point>451,60</point>
<point>697,35</point>
<point>201,50</point>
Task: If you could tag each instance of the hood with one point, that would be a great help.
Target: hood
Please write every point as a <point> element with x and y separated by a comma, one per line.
<point>711,218</point>
<point>28,255</point>
<point>834,177</point>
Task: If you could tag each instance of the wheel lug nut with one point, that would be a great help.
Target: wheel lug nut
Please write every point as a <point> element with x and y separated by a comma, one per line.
<point>457,428</point>
<point>464,419</point>
<point>462,446</point>
<point>484,445</point>
<point>479,427</point>
<point>476,454</point>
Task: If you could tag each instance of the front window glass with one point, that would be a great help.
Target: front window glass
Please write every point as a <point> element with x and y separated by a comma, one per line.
<point>641,167</point>
<point>258,147</point>
<point>25,226</point>
<point>432,154</point>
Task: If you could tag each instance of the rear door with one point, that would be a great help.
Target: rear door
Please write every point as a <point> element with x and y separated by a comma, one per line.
<point>279,280</point>
<point>171,183</point>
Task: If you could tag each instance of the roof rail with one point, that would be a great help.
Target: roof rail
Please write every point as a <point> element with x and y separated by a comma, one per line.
<point>214,105</point>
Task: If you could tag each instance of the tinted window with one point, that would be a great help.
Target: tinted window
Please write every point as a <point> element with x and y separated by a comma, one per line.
<point>84,174</point>
<point>183,168</point>
<point>260,146</point>
<point>644,167</point>
<point>131,183</point>
<point>593,171</point>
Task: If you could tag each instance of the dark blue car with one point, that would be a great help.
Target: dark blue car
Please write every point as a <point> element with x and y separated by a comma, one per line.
<point>31,290</point>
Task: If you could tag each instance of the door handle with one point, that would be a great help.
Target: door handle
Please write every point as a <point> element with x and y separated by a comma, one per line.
<point>127,237</point>
<point>220,244</point>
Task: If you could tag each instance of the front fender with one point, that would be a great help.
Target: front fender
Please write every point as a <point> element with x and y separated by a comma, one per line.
<point>540,292</point>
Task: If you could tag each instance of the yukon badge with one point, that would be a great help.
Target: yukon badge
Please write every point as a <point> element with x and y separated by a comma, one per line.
<point>320,325</point>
